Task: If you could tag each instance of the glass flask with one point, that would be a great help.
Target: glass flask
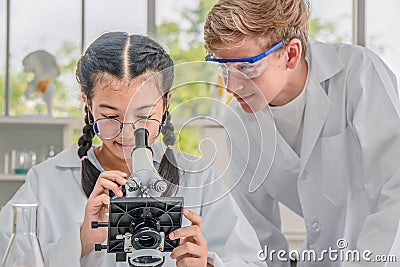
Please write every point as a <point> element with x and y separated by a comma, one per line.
<point>24,249</point>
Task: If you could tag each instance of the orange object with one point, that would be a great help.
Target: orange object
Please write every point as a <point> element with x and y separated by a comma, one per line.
<point>42,85</point>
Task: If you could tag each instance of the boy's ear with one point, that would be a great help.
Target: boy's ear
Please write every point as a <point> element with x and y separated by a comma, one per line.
<point>293,51</point>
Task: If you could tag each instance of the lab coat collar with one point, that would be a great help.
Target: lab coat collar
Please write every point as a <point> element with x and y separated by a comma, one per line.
<point>324,65</point>
<point>325,62</point>
<point>69,157</point>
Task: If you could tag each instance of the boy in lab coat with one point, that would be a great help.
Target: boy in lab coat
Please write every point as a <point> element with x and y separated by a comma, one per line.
<point>321,130</point>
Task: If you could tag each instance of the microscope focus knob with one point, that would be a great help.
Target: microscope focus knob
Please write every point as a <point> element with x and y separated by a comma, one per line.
<point>159,185</point>
<point>133,184</point>
<point>96,224</point>
<point>99,247</point>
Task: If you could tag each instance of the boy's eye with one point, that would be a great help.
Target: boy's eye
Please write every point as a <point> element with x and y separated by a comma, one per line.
<point>244,67</point>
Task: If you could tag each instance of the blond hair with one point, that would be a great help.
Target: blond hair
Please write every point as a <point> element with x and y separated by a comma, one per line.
<point>231,22</point>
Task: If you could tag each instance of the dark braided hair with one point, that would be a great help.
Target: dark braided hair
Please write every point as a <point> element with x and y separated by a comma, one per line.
<point>168,166</point>
<point>124,57</point>
<point>85,143</point>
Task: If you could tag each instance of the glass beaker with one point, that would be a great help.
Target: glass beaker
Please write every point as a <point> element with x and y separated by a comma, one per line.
<point>20,161</point>
<point>24,248</point>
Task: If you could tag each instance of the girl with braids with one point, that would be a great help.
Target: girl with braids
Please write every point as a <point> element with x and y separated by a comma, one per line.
<point>125,82</point>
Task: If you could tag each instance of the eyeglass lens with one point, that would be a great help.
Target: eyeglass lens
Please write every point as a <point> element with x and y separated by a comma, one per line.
<point>108,128</point>
<point>242,71</point>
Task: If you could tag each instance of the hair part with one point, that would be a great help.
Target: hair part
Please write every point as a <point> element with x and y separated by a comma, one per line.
<point>124,57</point>
<point>231,22</point>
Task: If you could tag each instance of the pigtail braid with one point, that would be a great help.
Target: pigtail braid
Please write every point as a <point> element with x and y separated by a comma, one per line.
<point>89,172</point>
<point>168,167</point>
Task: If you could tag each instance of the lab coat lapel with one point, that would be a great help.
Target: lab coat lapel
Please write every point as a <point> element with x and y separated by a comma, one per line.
<point>282,181</point>
<point>324,64</point>
<point>316,111</point>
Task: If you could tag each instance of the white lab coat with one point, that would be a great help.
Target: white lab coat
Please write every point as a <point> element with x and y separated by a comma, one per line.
<point>346,182</point>
<point>56,185</point>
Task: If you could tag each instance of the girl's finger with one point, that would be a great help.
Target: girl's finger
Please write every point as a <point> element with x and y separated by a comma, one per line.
<point>188,248</point>
<point>189,232</point>
<point>103,184</point>
<point>98,201</point>
<point>188,261</point>
<point>193,217</point>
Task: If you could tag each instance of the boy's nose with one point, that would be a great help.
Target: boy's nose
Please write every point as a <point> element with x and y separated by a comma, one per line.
<point>234,84</point>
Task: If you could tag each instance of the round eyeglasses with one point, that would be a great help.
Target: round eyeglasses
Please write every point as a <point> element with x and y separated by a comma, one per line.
<point>109,128</point>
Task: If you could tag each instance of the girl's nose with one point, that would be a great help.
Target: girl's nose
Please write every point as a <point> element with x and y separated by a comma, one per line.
<point>128,133</point>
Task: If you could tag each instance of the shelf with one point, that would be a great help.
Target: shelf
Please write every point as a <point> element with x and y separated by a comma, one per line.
<point>12,177</point>
<point>40,120</point>
<point>197,122</point>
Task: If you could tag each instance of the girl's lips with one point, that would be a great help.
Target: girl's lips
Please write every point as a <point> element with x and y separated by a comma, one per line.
<point>125,145</point>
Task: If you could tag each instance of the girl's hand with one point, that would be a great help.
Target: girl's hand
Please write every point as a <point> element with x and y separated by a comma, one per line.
<point>192,250</point>
<point>97,208</point>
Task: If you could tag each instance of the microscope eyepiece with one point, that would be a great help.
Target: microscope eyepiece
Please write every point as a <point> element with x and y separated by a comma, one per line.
<point>141,138</point>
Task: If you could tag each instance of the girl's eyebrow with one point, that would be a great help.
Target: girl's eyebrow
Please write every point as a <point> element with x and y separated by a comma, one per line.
<point>107,106</point>
<point>145,106</point>
<point>104,105</point>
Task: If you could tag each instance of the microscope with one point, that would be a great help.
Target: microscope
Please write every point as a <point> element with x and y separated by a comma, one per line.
<point>140,221</point>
